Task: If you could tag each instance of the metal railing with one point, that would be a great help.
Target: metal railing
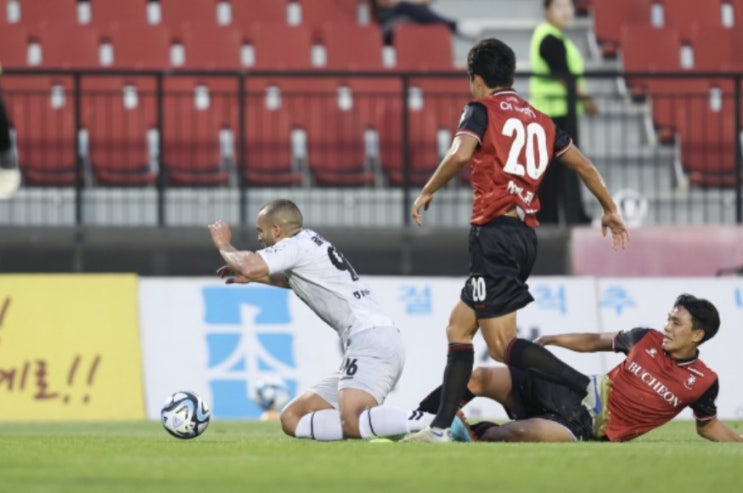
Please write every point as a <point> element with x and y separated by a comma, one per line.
<point>138,161</point>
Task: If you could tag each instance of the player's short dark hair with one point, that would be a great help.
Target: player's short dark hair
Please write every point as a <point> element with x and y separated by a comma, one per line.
<point>494,61</point>
<point>283,211</point>
<point>704,315</point>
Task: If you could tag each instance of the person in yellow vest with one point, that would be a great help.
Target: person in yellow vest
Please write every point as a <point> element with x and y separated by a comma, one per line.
<point>552,53</point>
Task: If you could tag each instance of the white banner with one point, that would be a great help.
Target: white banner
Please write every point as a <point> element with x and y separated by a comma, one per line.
<point>199,334</point>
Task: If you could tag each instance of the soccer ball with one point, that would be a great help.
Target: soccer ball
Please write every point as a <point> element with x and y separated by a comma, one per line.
<point>270,394</point>
<point>185,415</point>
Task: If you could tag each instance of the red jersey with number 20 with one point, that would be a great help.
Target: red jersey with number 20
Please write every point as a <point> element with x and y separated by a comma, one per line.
<point>515,149</point>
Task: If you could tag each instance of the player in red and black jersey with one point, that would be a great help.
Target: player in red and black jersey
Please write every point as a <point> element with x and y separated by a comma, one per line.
<point>661,375</point>
<point>509,145</point>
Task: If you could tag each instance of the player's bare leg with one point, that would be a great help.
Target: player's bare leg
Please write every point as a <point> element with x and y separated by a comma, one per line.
<point>304,404</point>
<point>528,430</point>
<point>352,403</point>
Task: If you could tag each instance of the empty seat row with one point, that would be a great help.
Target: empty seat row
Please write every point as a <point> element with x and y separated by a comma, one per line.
<point>610,16</point>
<point>295,131</point>
<point>173,13</point>
<point>208,46</point>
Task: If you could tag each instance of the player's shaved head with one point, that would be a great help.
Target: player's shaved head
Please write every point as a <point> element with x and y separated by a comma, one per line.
<point>283,213</point>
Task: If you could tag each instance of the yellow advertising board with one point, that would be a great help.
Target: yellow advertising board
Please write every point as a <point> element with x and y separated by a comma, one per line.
<point>69,347</point>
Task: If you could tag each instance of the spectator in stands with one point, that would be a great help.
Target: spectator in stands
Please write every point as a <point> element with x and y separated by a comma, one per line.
<point>10,177</point>
<point>553,53</point>
<point>390,13</point>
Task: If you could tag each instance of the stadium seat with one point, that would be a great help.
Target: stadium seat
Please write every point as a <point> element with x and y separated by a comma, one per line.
<point>118,113</point>
<point>423,47</point>
<point>197,113</point>
<point>280,46</point>
<point>175,13</point>
<point>335,137</point>
<point>69,45</point>
<point>267,156</point>
<point>14,41</point>
<point>246,12</point>
<point>713,48</point>
<point>41,110</point>
<point>365,53</point>
<point>708,141</point>
<point>683,15</point>
<point>209,46</point>
<point>666,93</point>
<point>106,12</point>
<point>140,46</point>
<point>610,15</point>
<point>34,12</point>
<point>315,13</point>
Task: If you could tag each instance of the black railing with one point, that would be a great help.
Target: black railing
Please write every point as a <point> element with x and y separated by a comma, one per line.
<point>686,169</point>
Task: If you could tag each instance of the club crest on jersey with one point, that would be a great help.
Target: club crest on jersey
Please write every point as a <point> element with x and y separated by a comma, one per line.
<point>690,381</point>
<point>652,352</point>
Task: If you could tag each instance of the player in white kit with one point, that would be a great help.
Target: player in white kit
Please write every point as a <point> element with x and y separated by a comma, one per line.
<point>300,259</point>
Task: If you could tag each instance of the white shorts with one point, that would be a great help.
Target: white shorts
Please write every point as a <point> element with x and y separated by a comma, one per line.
<point>373,363</point>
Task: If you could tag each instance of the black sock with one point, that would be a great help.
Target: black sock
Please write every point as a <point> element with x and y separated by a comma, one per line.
<point>529,356</point>
<point>430,404</point>
<point>456,375</point>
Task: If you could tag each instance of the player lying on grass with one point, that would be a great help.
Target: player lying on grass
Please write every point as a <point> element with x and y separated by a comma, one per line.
<point>661,375</point>
<point>299,259</point>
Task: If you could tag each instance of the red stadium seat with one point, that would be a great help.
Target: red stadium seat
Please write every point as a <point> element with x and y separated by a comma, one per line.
<point>69,45</point>
<point>267,156</point>
<point>280,46</point>
<point>140,46</point>
<point>315,13</point>
<point>246,12</point>
<point>708,141</point>
<point>42,112</point>
<point>118,113</point>
<point>666,93</point>
<point>14,41</point>
<point>175,13</point>
<point>423,47</point>
<point>34,12</point>
<point>196,112</point>
<point>335,136</point>
<point>610,15</point>
<point>106,12</point>
<point>209,46</point>
<point>714,48</point>
<point>683,15</point>
<point>365,53</point>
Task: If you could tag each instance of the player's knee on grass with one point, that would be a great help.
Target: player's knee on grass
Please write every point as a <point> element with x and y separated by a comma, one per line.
<point>350,424</point>
<point>289,420</point>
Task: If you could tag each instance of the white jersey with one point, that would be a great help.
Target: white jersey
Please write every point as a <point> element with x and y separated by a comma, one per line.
<point>322,277</point>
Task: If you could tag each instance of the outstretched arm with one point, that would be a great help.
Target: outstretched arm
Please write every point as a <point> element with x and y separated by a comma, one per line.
<point>717,431</point>
<point>451,165</point>
<point>243,266</point>
<point>583,343</point>
<point>610,220</point>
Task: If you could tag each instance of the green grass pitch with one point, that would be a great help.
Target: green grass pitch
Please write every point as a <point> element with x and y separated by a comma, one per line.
<point>252,457</point>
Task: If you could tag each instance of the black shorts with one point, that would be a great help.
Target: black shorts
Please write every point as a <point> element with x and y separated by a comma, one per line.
<point>535,397</point>
<point>502,254</point>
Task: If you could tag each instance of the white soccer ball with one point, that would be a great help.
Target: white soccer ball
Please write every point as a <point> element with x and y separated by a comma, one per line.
<point>185,415</point>
<point>270,394</point>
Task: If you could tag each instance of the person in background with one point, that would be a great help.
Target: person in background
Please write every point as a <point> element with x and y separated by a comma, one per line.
<point>553,53</point>
<point>10,175</point>
<point>390,13</point>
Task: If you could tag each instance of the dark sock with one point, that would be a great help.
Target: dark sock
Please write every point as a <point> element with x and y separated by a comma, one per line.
<point>430,404</point>
<point>533,357</point>
<point>456,375</point>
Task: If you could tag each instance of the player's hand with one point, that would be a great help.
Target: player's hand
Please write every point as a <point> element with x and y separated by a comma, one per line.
<point>589,106</point>
<point>221,234</point>
<point>230,276</point>
<point>612,221</point>
<point>421,202</point>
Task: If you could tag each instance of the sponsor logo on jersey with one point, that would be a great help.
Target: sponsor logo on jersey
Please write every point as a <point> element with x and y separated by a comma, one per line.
<point>654,384</point>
